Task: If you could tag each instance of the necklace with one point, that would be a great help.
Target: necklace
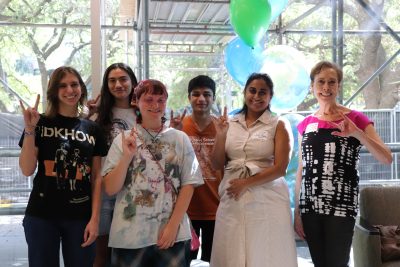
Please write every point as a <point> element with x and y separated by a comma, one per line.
<point>323,113</point>
<point>154,137</point>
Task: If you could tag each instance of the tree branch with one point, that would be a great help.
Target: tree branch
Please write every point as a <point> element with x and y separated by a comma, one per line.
<point>74,51</point>
<point>60,38</point>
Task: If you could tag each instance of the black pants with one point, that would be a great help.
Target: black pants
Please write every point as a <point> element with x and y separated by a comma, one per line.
<point>329,239</point>
<point>207,234</point>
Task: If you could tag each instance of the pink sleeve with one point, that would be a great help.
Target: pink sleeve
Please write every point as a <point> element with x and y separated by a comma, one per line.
<point>303,124</point>
<point>300,127</point>
<point>360,119</point>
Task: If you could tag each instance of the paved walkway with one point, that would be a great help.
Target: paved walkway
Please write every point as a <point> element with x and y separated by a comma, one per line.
<point>13,248</point>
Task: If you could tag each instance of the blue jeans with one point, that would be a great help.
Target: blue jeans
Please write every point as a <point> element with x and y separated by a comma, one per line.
<point>106,215</point>
<point>44,236</point>
<point>329,239</point>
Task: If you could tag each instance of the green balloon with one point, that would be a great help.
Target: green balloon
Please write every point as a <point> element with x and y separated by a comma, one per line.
<point>250,19</point>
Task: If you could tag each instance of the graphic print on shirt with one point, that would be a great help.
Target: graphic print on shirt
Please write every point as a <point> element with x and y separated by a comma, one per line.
<point>203,147</point>
<point>117,126</point>
<point>69,168</point>
<point>73,165</point>
<point>145,185</point>
<point>60,164</point>
<point>330,181</point>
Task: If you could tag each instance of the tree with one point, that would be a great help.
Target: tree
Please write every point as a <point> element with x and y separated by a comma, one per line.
<point>3,5</point>
<point>363,56</point>
<point>42,41</point>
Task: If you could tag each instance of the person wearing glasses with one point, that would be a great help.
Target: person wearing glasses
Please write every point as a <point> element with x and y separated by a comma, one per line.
<point>152,170</point>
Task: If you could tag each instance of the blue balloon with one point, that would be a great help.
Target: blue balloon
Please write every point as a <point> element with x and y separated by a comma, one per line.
<point>289,72</point>
<point>294,120</point>
<point>241,60</point>
<point>234,112</point>
<point>277,6</point>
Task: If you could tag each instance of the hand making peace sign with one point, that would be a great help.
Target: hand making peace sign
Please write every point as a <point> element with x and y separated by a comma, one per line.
<point>31,115</point>
<point>221,123</point>
<point>176,122</point>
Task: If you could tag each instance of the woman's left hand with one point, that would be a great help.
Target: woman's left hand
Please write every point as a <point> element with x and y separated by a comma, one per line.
<point>167,236</point>
<point>90,234</point>
<point>237,188</point>
<point>346,128</point>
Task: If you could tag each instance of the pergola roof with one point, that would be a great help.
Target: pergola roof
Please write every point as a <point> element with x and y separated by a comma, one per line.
<point>189,22</point>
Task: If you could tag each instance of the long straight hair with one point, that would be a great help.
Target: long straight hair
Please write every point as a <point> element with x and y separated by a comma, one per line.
<point>107,100</point>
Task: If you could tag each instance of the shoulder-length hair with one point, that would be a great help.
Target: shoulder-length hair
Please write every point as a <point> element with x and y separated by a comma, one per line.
<point>53,103</point>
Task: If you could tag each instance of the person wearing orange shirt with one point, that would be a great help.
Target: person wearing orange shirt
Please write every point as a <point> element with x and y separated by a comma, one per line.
<point>200,128</point>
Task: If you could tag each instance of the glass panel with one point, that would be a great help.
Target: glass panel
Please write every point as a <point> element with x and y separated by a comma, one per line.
<point>120,47</point>
<point>176,71</point>
<point>29,54</point>
<point>43,11</point>
<point>119,12</point>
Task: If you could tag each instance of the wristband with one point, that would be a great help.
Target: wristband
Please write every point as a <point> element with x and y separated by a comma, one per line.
<point>29,133</point>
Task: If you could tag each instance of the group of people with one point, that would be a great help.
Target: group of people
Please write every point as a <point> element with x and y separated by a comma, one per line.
<point>136,186</point>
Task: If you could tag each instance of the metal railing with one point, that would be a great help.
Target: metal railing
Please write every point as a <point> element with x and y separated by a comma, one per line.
<point>15,187</point>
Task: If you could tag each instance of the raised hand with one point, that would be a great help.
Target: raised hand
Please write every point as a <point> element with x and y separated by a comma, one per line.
<point>129,143</point>
<point>221,123</point>
<point>176,122</point>
<point>93,105</point>
<point>346,128</point>
<point>31,115</point>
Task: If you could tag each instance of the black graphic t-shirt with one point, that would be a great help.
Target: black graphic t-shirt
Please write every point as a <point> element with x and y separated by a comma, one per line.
<point>62,187</point>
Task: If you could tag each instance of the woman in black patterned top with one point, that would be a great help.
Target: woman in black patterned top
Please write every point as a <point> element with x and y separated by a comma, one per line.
<point>327,177</point>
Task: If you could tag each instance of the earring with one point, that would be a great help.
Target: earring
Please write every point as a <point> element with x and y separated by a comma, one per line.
<point>163,119</point>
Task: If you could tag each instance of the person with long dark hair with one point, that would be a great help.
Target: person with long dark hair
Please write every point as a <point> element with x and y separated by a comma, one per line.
<point>113,113</point>
<point>153,170</point>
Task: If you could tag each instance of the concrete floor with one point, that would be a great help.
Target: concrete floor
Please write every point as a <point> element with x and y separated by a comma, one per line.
<point>13,248</point>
